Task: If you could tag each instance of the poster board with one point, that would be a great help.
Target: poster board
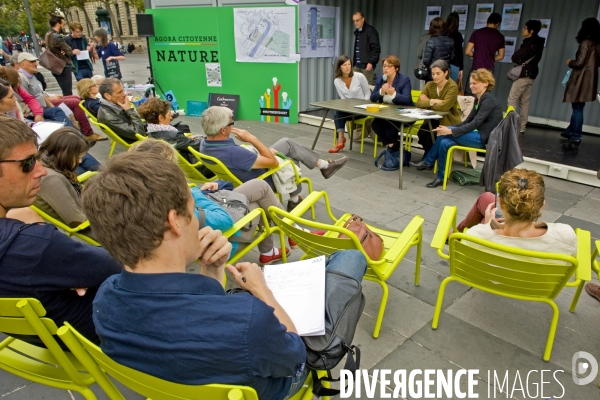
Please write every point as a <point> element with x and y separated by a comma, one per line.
<point>186,39</point>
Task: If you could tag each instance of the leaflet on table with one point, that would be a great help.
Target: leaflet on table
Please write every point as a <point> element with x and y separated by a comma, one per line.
<point>419,113</point>
<point>374,105</point>
<point>299,287</point>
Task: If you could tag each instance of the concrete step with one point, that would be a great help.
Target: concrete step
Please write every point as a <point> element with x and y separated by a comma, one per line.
<point>51,83</point>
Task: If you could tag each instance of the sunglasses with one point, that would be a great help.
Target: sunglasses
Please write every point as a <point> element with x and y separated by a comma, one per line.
<point>231,123</point>
<point>27,164</point>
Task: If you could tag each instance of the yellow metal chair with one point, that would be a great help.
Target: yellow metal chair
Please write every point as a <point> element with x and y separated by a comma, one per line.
<point>396,244</point>
<point>49,366</point>
<point>260,234</point>
<point>114,138</point>
<point>91,116</point>
<point>350,124</point>
<point>579,283</point>
<point>190,171</point>
<point>76,231</point>
<point>223,173</point>
<point>466,149</point>
<point>509,271</point>
<point>94,359</point>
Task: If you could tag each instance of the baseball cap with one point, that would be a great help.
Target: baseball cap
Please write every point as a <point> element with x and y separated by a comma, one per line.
<point>26,56</point>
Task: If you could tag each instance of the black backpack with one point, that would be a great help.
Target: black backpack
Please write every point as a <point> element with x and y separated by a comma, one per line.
<point>344,303</point>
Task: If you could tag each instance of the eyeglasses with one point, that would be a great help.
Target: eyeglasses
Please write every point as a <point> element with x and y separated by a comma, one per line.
<point>356,20</point>
<point>231,123</point>
<point>387,66</point>
<point>27,164</point>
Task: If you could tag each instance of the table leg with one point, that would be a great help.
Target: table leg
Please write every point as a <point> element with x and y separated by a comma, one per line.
<point>319,131</point>
<point>401,154</point>
<point>431,131</point>
<point>351,134</point>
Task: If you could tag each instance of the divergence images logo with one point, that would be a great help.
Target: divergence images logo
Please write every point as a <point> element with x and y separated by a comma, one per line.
<point>583,364</point>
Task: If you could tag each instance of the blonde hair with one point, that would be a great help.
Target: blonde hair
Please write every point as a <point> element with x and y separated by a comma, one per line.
<point>84,86</point>
<point>522,194</point>
<point>485,76</point>
<point>75,26</point>
<point>154,146</point>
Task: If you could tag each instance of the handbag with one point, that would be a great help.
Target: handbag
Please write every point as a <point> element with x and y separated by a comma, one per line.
<point>515,72</point>
<point>113,70</point>
<point>371,242</point>
<point>422,72</point>
<point>235,204</point>
<point>391,160</point>
<point>52,63</point>
<point>466,177</point>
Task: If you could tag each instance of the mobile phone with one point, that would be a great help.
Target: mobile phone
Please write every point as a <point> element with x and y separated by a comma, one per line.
<point>498,211</point>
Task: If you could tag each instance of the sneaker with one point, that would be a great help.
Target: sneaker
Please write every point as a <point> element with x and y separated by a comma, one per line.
<point>95,137</point>
<point>266,260</point>
<point>333,167</point>
<point>292,204</point>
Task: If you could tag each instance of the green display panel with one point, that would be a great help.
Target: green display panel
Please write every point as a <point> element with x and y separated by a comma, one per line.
<point>186,39</point>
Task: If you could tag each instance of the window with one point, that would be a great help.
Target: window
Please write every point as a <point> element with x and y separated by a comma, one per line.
<point>118,15</point>
<point>128,15</point>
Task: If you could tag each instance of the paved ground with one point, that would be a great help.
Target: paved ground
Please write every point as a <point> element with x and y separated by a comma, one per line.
<point>477,330</point>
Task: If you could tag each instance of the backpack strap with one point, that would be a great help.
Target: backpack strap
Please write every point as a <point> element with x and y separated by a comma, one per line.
<point>351,365</point>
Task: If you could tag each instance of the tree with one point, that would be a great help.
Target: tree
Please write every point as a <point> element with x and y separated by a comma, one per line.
<point>81,5</point>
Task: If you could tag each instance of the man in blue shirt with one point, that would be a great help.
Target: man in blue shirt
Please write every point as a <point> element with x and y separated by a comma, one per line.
<point>155,318</point>
<point>217,123</point>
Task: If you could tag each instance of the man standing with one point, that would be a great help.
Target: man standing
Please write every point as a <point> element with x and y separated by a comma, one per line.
<point>486,46</point>
<point>78,42</point>
<point>116,112</point>
<point>528,55</point>
<point>366,47</point>
<point>55,43</point>
<point>155,318</point>
<point>36,260</point>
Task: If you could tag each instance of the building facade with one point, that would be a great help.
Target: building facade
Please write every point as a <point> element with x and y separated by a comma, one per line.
<point>125,24</point>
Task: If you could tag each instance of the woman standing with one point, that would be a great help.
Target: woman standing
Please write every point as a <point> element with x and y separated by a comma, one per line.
<point>583,82</point>
<point>438,95</point>
<point>108,51</point>
<point>349,85</point>
<point>456,62</point>
<point>472,132</point>
<point>439,46</point>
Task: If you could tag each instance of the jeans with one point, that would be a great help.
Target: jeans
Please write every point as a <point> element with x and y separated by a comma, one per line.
<point>65,81</point>
<point>340,119</point>
<point>57,115</point>
<point>349,262</point>
<point>82,73</point>
<point>88,163</point>
<point>454,73</point>
<point>576,126</point>
<point>439,151</point>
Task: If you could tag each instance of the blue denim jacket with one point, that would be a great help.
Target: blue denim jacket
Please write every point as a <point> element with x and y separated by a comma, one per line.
<point>183,328</point>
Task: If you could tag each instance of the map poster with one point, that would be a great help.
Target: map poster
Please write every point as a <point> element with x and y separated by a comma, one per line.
<point>511,17</point>
<point>319,30</point>
<point>510,42</point>
<point>545,29</point>
<point>482,12</point>
<point>432,12</point>
<point>463,12</point>
<point>265,35</point>
<point>213,74</point>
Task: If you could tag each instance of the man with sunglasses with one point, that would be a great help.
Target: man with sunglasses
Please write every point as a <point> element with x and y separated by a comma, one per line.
<point>36,260</point>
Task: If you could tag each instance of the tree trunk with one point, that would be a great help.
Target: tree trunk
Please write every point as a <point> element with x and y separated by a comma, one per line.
<point>114,22</point>
<point>88,22</point>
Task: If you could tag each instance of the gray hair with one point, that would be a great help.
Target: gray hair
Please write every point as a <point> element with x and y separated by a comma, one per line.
<point>214,119</point>
<point>441,64</point>
<point>14,61</point>
<point>103,35</point>
<point>98,79</point>
<point>107,86</point>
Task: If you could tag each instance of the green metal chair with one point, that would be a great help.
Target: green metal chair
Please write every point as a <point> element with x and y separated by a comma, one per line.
<point>579,283</point>
<point>223,173</point>
<point>94,359</point>
<point>509,271</point>
<point>50,366</point>
<point>76,231</point>
<point>114,138</point>
<point>396,244</point>
<point>451,150</point>
<point>190,170</point>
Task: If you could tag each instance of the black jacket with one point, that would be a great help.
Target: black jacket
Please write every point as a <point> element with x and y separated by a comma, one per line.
<point>438,48</point>
<point>485,116</point>
<point>123,123</point>
<point>369,48</point>
<point>531,47</point>
<point>503,152</point>
<point>458,39</point>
